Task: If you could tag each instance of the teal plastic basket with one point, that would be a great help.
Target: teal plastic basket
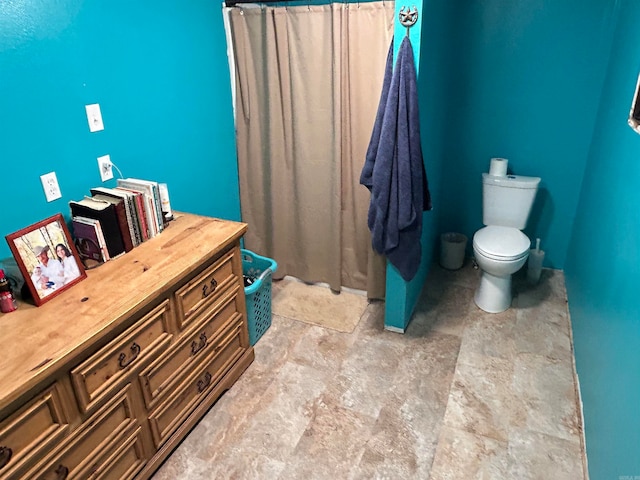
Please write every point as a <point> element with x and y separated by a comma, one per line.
<point>258,294</point>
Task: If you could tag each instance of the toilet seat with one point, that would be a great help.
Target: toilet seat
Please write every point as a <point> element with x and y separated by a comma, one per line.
<point>501,243</point>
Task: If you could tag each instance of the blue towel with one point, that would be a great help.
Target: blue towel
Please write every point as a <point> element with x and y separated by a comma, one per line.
<point>394,169</point>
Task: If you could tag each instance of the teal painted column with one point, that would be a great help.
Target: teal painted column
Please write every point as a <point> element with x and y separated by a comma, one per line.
<point>401,296</point>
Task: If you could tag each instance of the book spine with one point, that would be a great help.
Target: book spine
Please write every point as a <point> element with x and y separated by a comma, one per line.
<point>154,216</point>
<point>121,215</point>
<point>140,212</point>
<point>135,218</point>
<point>102,241</point>
<point>151,216</point>
<point>142,216</point>
<point>158,206</point>
<point>129,207</point>
<point>131,222</point>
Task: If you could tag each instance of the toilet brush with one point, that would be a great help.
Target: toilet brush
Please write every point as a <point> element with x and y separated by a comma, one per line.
<point>534,269</point>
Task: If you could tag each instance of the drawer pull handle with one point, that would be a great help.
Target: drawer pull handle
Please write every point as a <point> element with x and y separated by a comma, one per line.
<point>122,359</point>
<point>62,472</point>
<point>196,347</point>
<point>205,288</point>
<point>204,383</point>
<point>5,455</point>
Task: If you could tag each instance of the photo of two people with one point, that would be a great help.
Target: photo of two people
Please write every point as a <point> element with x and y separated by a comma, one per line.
<point>47,258</point>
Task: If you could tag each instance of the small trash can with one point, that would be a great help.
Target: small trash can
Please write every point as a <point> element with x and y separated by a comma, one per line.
<point>452,248</point>
<point>257,271</point>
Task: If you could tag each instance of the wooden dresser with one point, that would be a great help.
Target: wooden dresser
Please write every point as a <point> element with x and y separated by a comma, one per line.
<point>104,380</point>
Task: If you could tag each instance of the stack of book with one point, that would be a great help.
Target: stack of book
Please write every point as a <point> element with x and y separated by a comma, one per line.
<point>113,221</point>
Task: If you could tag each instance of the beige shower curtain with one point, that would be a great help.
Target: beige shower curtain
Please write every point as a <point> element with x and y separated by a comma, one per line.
<point>308,82</point>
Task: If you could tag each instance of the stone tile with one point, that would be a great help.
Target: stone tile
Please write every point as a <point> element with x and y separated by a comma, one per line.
<point>548,293</point>
<point>182,464</point>
<point>403,440</point>
<point>481,397</point>
<point>322,348</point>
<point>535,456</point>
<point>545,397</point>
<point>534,334</point>
<point>274,347</point>
<point>463,455</point>
<point>366,393</point>
<point>335,438</point>
<point>427,368</point>
<point>446,313</point>
<point>239,464</point>
<point>276,423</point>
<point>489,334</point>
<point>272,351</point>
<point>462,394</point>
<point>402,443</point>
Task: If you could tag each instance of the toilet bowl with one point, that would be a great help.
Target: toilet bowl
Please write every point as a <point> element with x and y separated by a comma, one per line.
<point>500,252</point>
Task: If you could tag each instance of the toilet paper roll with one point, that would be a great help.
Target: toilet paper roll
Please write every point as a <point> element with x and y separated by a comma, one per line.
<point>498,167</point>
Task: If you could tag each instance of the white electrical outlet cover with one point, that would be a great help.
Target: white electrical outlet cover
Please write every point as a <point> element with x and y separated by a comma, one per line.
<point>106,167</point>
<point>51,187</point>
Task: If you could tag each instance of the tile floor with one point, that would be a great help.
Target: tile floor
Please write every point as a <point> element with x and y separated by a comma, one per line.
<point>461,395</point>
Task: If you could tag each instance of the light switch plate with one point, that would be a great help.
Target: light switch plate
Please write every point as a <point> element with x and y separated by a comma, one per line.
<point>94,117</point>
<point>51,187</point>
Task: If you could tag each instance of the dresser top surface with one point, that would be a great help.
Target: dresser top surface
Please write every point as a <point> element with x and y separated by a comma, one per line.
<point>36,340</point>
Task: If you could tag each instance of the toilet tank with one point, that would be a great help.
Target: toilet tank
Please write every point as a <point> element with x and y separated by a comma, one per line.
<point>507,200</point>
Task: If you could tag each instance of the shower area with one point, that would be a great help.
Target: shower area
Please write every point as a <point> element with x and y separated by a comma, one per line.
<point>307,84</point>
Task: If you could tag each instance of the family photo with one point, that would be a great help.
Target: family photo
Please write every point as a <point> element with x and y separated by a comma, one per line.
<point>47,258</point>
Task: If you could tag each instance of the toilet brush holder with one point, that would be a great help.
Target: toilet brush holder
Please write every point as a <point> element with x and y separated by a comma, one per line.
<point>534,268</point>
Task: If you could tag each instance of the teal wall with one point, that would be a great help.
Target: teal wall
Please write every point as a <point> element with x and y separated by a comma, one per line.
<point>505,79</point>
<point>159,71</point>
<point>524,81</point>
<point>603,270</point>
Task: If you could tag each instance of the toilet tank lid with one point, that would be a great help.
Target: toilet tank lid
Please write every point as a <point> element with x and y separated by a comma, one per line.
<point>511,181</point>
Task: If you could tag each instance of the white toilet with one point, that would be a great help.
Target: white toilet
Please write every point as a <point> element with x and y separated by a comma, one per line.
<point>500,248</point>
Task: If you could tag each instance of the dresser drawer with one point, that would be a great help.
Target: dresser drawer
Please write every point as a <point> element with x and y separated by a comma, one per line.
<point>26,434</point>
<point>102,373</point>
<point>164,372</point>
<point>123,462</point>
<point>205,288</point>
<point>171,413</point>
<point>88,449</point>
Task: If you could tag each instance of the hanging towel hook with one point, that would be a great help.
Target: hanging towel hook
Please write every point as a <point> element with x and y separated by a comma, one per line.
<point>408,17</point>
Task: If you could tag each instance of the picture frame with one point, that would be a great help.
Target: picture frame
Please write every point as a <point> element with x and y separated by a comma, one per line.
<point>47,258</point>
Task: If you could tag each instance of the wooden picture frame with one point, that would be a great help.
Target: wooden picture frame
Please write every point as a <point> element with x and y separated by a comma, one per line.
<point>36,250</point>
